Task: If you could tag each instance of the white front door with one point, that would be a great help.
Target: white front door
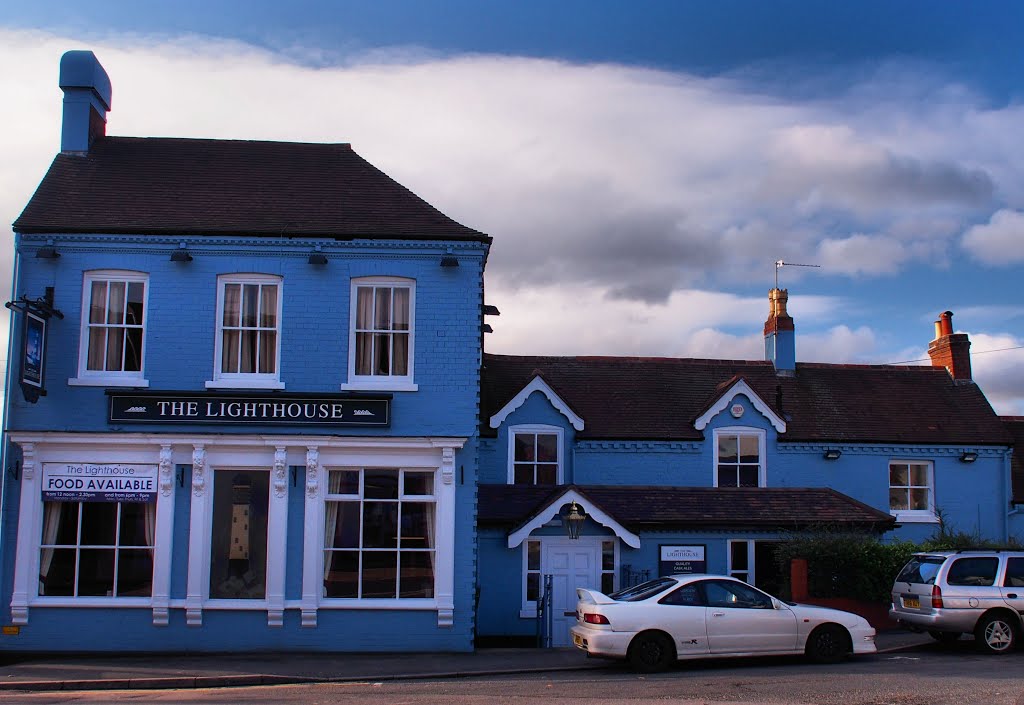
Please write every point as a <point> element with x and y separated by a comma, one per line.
<point>571,564</point>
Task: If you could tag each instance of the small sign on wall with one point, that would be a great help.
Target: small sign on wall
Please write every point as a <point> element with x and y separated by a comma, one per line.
<point>33,357</point>
<point>99,482</point>
<point>679,560</point>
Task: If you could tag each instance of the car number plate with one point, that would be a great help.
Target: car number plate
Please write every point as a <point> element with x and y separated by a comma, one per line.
<point>577,640</point>
<point>912,603</point>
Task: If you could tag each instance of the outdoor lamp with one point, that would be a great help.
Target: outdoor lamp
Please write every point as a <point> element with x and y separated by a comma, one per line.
<point>574,521</point>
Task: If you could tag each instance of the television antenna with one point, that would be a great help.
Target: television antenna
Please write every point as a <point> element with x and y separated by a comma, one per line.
<point>779,264</point>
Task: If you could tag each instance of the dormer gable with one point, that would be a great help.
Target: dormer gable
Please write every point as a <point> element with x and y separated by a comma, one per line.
<point>731,389</point>
<point>537,384</point>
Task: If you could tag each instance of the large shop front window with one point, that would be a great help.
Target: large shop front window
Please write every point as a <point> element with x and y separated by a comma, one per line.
<point>911,491</point>
<point>739,458</point>
<point>380,527</point>
<point>113,328</point>
<point>248,331</point>
<point>97,549</point>
<point>382,333</point>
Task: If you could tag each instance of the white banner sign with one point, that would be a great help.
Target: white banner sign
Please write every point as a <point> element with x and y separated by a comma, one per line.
<point>99,482</point>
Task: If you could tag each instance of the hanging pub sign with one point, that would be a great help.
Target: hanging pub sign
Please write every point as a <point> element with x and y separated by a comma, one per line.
<point>99,482</point>
<point>36,312</point>
<point>255,409</point>
<point>677,560</point>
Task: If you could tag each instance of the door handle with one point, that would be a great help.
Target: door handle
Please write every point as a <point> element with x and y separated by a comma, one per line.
<point>718,614</point>
<point>569,614</point>
<point>1012,596</point>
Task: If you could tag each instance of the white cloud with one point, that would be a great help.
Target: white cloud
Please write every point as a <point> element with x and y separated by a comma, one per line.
<point>1000,242</point>
<point>997,365</point>
<point>622,201</point>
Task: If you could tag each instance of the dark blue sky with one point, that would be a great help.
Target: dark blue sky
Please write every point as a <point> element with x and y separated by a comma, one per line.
<point>977,42</point>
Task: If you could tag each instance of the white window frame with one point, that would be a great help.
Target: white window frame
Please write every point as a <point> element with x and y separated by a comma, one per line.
<point>110,378</point>
<point>535,429</point>
<point>749,574</point>
<point>911,516</point>
<point>394,383</point>
<point>360,498</point>
<point>762,444</point>
<point>246,380</point>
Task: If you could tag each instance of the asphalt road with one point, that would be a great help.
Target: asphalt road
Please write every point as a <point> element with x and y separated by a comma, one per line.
<point>928,676</point>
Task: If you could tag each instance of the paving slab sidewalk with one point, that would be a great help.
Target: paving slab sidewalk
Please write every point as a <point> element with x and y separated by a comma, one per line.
<point>163,671</point>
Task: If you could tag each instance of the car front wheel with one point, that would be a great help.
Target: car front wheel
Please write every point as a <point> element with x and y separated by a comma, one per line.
<point>996,634</point>
<point>650,653</point>
<point>829,643</point>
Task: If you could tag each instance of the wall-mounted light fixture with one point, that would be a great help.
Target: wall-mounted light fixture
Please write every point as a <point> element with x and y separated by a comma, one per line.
<point>574,521</point>
<point>317,258</point>
<point>448,259</point>
<point>47,251</point>
<point>181,254</point>
<point>968,456</point>
<point>833,454</point>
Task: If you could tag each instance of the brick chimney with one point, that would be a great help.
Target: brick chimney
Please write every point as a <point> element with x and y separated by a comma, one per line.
<point>951,350</point>
<point>86,89</point>
<point>780,334</point>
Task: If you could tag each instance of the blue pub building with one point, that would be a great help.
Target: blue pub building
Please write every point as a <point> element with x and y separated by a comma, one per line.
<point>242,404</point>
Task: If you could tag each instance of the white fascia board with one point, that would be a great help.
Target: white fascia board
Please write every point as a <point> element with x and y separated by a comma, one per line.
<point>549,512</point>
<point>740,387</point>
<point>537,385</point>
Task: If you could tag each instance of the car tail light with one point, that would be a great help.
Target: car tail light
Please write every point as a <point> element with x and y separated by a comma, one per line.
<point>936,597</point>
<point>592,618</point>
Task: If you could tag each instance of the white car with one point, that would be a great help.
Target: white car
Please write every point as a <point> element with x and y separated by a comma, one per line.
<point>710,616</point>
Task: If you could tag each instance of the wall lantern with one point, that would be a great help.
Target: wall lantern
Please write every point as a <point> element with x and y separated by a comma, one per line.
<point>47,251</point>
<point>317,258</point>
<point>574,521</point>
<point>181,254</point>
<point>968,456</point>
<point>833,454</point>
<point>449,260</point>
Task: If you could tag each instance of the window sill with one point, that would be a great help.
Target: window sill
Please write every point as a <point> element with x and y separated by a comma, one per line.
<point>379,386</point>
<point>64,601</point>
<point>911,517</point>
<point>339,603</point>
<point>107,382</point>
<point>243,384</point>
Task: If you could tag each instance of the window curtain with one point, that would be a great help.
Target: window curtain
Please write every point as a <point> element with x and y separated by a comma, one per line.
<point>51,525</point>
<point>331,522</point>
<point>150,518</point>
<point>431,530</point>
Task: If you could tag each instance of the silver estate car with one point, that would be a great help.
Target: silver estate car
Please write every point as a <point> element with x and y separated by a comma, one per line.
<point>949,593</point>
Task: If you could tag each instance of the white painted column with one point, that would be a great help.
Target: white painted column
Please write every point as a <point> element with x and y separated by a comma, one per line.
<point>198,539</point>
<point>163,539</point>
<point>312,539</point>
<point>444,550</point>
<point>26,556</point>
<point>277,538</point>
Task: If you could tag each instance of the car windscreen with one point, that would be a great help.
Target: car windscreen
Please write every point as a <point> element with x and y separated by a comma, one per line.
<point>921,569</point>
<point>643,590</point>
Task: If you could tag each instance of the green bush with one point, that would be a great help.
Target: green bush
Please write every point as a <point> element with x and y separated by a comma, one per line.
<point>859,566</point>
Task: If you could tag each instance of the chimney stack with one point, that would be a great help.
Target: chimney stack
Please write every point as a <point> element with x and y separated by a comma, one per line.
<point>951,350</point>
<point>780,334</point>
<point>86,89</point>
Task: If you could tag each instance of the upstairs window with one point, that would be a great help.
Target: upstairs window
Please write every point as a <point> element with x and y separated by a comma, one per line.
<point>739,458</point>
<point>382,334</point>
<point>911,491</point>
<point>113,328</point>
<point>248,332</point>
<point>535,455</point>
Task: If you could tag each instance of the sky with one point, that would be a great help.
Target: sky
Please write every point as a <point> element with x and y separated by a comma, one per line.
<point>641,165</point>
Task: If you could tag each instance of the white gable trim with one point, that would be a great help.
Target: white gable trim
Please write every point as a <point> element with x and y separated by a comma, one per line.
<point>549,512</point>
<point>537,385</point>
<point>741,387</point>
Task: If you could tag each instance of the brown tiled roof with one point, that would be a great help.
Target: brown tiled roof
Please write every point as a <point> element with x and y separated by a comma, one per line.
<point>216,187</point>
<point>1015,425</point>
<point>660,398</point>
<point>639,508</point>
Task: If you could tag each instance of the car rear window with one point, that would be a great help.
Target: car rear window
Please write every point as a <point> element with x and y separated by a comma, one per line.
<point>921,569</point>
<point>973,571</point>
<point>642,591</point>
